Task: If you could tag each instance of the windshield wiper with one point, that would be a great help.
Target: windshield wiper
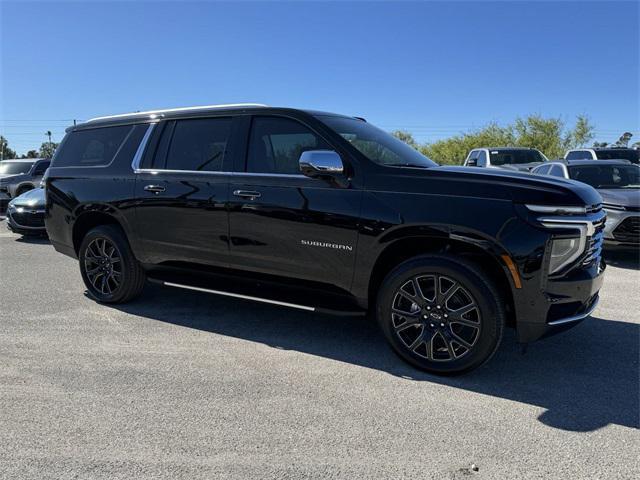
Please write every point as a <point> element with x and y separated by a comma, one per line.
<point>415,165</point>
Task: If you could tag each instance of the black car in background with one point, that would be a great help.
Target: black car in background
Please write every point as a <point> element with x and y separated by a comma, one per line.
<point>325,212</point>
<point>604,153</point>
<point>25,214</point>
<point>618,182</point>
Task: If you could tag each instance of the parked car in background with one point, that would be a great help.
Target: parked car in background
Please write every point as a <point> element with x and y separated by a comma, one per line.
<point>618,182</point>
<point>512,158</point>
<point>325,212</point>
<point>604,153</point>
<point>25,213</point>
<point>19,176</point>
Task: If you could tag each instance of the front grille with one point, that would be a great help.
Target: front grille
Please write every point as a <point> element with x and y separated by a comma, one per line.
<point>593,252</point>
<point>628,231</point>
<point>28,219</point>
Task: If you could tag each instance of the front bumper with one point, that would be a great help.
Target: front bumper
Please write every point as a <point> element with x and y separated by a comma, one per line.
<point>4,201</point>
<point>614,231</point>
<point>34,225</point>
<point>564,304</point>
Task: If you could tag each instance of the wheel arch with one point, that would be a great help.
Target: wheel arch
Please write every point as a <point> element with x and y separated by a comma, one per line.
<point>21,186</point>
<point>89,219</point>
<point>484,254</point>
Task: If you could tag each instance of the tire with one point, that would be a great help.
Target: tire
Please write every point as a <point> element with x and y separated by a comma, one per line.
<point>108,267</point>
<point>438,335</point>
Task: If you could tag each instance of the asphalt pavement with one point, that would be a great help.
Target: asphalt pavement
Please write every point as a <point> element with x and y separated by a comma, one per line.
<point>187,385</point>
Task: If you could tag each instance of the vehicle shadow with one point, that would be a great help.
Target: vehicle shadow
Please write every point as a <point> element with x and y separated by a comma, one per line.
<point>586,378</point>
<point>628,258</point>
<point>36,239</point>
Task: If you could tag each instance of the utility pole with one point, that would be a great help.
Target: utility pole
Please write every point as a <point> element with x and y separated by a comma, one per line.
<point>48,134</point>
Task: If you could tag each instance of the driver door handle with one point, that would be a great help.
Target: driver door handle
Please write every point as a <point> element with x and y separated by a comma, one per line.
<point>154,188</point>
<point>247,194</point>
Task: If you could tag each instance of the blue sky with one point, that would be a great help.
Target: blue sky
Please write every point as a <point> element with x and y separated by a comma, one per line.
<point>432,68</point>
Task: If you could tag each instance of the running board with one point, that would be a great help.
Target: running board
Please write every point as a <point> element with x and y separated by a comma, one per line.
<point>252,298</point>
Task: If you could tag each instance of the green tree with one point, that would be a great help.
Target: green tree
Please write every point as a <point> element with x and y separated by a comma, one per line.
<point>5,151</point>
<point>47,149</point>
<point>548,135</point>
<point>582,133</point>
<point>406,137</point>
<point>30,154</point>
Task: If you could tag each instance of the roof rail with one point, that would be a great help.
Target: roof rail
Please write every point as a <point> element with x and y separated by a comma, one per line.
<point>154,113</point>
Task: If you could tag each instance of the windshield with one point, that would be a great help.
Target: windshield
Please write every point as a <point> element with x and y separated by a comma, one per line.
<point>14,168</point>
<point>607,176</point>
<point>631,155</point>
<point>375,144</point>
<point>513,157</point>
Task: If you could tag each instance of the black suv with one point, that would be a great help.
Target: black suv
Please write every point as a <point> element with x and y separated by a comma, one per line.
<point>325,212</point>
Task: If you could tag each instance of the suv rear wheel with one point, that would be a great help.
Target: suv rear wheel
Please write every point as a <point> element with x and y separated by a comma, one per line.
<point>441,314</point>
<point>109,269</point>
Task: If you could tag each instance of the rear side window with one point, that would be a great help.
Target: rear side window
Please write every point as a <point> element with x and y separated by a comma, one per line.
<point>41,168</point>
<point>579,155</point>
<point>556,171</point>
<point>276,144</point>
<point>631,155</point>
<point>543,170</point>
<point>199,145</point>
<point>93,147</point>
<point>482,159</point>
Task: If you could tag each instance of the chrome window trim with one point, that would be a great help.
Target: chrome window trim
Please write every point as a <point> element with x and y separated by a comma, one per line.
<point>135,163</point>
<point>156,171</point>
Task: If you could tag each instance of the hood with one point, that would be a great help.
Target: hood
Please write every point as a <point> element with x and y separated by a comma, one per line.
<point>490,183</point>
<point>7,176</point>
<point>625,197</point>
<point>519,167</point>
<point>31,199</point>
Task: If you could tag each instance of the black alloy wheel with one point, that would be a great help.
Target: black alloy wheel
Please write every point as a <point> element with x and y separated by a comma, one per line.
<point>103,265</point>
<point>436,318</point>
<point>108,266</point>
<point>441,313</point>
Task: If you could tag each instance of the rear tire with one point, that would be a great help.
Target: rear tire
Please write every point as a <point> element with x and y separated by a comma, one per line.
<point>441,314</point>
<point>108,267</point>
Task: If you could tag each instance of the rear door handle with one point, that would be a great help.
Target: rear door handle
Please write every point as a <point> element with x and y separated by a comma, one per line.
<point>154,188</point>
<point>246,194</point>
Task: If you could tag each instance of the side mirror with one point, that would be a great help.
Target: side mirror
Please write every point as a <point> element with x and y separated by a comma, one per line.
<point>472,163</point>
<point>316,163</point>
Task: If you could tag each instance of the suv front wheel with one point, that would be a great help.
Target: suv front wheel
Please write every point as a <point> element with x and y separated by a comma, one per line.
<point>108,267</point>
<point>441,314</point>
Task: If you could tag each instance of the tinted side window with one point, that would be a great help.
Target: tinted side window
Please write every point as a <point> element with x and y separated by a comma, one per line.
<point>92,147</point>
<point>482,159</point>
<point>556,171</point>
<point>579,155</point>
<point>276,143</point>
<point>41,168</point>
<point>199,145</point>
<point>543,170</point>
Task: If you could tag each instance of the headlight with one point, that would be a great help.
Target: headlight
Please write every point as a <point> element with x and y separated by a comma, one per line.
<point>557,209</point>
<point>564,251</point>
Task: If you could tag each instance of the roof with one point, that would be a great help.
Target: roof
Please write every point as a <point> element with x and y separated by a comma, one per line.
<point>504,148</point>
<point>127,118</point>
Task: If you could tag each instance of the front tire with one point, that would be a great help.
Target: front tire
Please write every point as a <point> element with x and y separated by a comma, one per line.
<point>108,267</point>
<point>441,314</point>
